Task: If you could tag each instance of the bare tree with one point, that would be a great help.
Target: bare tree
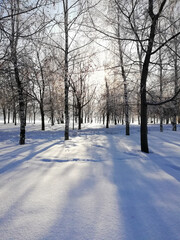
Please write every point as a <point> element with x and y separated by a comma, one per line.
<point>17,18</point>
<point>154,12</point>
<point>73,18</point>
<point>81,88</point>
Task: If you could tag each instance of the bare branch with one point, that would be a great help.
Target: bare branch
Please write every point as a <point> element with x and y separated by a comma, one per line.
<point>163,102</point>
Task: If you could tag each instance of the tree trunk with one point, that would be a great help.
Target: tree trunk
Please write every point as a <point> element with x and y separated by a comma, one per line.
<point>107,120</point>
<point>175,86</point>
<point>107,105</point>
<point>4,115</point>
<point>103,118</point>
<point>66,82</point>
<point>144,131</point>
<point>9,115</point>
<point>126,104</point>
<point>21,104</point>
<point>52,116</point>
<point>161,124</point>
<point>34,117</point>
<point>14,43</point>
<point>73,110</point>
<point>144,139</point>
<point>14,114</point>
<point>42,117</point>
<point>161,87</point>
<point>79,116</point>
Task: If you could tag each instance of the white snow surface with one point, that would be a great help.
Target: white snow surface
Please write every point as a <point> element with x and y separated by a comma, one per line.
<point>96,186</point>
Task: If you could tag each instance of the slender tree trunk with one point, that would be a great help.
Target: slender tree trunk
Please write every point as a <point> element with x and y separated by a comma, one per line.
<point>107,119</point>
<point>9,115</point>
<point>107,105</point>
<point>161,89</point>
<point>144,139</point>
<point>103,118</point>
<point>34,117</point>
<point>4,114</point>
<point>126,104</point>
<point>21,105</point>
<point>175,86</point>
<point>34,113</point>
<point>52,117</point>
<point>160,83</point>
<point>52,112</point>
<point>73,109</point>
<point>51,106</point>
<point>14,114</point>
<point>79,116</point>
<point>161,124</point>
<point>66,71</point>
<point>115,120</point>
<point>140,70</point>
<point>42,116</point>
<point>26,103</point>
<point>14,43</point>
<point>82,115</point>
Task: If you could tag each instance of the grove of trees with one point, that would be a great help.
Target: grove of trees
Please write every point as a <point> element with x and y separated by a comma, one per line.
<point>81,61</point>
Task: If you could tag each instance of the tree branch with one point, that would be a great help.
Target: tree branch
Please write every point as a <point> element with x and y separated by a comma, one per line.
<point>163,102</point>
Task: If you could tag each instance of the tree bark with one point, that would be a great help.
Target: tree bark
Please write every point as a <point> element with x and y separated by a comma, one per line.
<point>4,114</point>
<point>79,116</point>
<point>175,86</point>
<point>66,67</point>
<point>145,68</point>
<point>161,89</point>
<point>126,104</point>
<point>42,116</point>
<point>21,105</point>
<point>107,105</point>
<point>13,44</point>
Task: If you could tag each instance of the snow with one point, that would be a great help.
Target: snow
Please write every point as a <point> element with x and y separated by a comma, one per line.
<point>96,186</point>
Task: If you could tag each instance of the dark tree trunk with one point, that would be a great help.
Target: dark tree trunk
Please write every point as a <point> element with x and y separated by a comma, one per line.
<point>161,87</point>
<point>144,139</point>
<point>34,117</point>
<point>103,118</point>
<point>14,114</point>
<point>42,117</point>
<point>9,114</point>
<point>79,116</point>
<point>161,124</point>
<point>115,121</point>
<point>4,115</point>
<point>73,109</point>
<point>174,125</point>
<point>25,110</point>
<point>176,77</point>
<point>144,130</point>
<point>107,120</point>
<point>14,117</point>
<point>52,116</point>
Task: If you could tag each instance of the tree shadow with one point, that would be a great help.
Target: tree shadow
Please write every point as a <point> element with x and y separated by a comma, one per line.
<point>70,160</point>
<point>17,153</point>
<point>147,201</point>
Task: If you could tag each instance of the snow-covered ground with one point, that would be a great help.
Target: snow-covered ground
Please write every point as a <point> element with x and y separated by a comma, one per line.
<point>96,186</point>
